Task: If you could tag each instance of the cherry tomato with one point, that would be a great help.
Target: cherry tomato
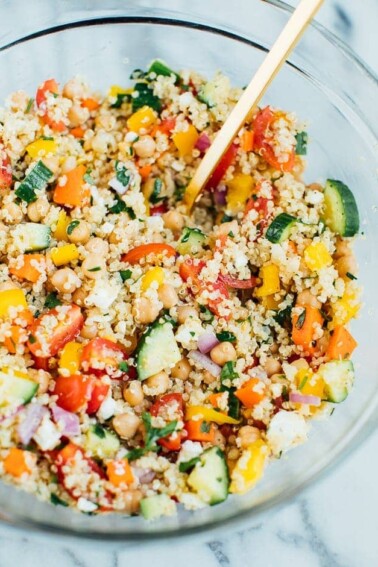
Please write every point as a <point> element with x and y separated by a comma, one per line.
<point>166,407</point>
<point>223,165</point>
<point>262,144</point>
<point>158,210</point>
<point>74,392</point>
<point>54,329</point>
<point>41,363</point>
<point>5,170</point>
<point>99,392</point>
<point>49,86</point>
<point>101,356</point>
<point>158,249</point>
<point>239,284</point>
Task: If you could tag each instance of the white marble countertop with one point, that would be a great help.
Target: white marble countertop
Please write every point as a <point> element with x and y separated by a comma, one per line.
<point>334,524</point>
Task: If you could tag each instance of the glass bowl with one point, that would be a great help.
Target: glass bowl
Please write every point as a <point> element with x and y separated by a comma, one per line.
<point>324,83</point>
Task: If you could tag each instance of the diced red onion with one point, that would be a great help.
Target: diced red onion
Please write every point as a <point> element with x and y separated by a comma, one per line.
<point>69,422</point>
<point>33,415</point>
<point>220,195</point>
<point>203,142</point>
<point>205,362</point>
<point>297,398</point>
<point>144,476</point>
<point>206,342</point>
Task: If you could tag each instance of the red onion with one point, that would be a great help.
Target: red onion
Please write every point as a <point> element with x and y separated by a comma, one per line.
<point>220,195</point>
<point>70,422</point>
<point>206,342</point>
<point>203,142</point>
<point>33,415</point>
<point>144,476</point>
<point>297,398</point>
<point>205,362</point>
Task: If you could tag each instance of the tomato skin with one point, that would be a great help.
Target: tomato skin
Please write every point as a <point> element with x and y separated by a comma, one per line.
<point>99,392</point>
<point>223,165</point>
<point>102,356</point>
<point>73,392</point>
<point>56,338</point>
<point>158,210</point>
<point>5,170</point>
<point>140,252</point>
<point>160,408</point>
<point>262,146</point>
<point>49,86</point>
<point>239,284</point>
<point>41,363</point>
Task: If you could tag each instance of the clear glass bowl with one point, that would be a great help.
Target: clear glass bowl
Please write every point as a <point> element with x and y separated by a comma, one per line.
<point>323,82</point>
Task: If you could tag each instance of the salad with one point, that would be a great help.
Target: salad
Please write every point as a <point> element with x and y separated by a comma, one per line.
<point>151,359</point>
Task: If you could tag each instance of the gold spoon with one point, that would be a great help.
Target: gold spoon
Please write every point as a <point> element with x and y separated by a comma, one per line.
<point>272,63</point>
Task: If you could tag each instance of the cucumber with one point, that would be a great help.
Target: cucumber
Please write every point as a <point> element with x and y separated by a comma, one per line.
<point>16,390</point>
<point>341,212</point>
<point>280,228</point>
<point>191,241</point>
<point>154,507</point>
<point>338,377</point>
<point>208,94</point>
<point>31,236</point>
<point>101,442</point>
<point>157,350</point>
<point>160,68</point>
<point>301,147</point>
<point>37,179</point>
<point>210,478</point>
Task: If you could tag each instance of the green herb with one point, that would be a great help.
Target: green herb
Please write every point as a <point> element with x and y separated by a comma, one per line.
<point>231,234</point>
<point>301,147</point>
<point>125,274</point>
<point>192,333</point>
<point>179,192</point>
<point>52,300</point>
<point>87,177</point>
<point>37,179</point>
<point>32,339</point>
<point>54,499</point>
<point>71,227</point>
<point>228,372</point>
<point>233,404</point>
<point>226,218</point>
<point>47,138</point>
<point>137,74</point>
<point>120,99</point>
<point>119,206</point>
<point>285,394</point>
<point>283,317</point>
<point>205,427</point>
<point>95,269</point>
<point>122,174</point>
<point>167,317</point>
<point>144,96</point>
<point>303,382</point>
<point>350,276</point>
<point>153,434</point>
<point>29,105</point>
<point>301,319</point>
<point>123,366</point>
<point>226,336</point>
<point>188,465</point>
<point>99,431</point>
<point>55,95</point>
<point>206,314</point>
<point>155,195</point>
<point>160,68</point>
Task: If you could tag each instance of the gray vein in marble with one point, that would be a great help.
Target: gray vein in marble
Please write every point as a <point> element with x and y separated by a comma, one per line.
<point>76,561</point>
<point>217,548</point>
<point>115,559</point>
<point>343,22</point>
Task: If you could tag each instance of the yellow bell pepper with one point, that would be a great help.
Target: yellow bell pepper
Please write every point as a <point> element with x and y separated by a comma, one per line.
<point>116,90</point>
<point>269,302</point>
<point>11,298</point>
<point>309,384</point>
<point>186,140</point>
<point>70,357</point>
<point>347,307</point>
<point>41,147</point>
<point>65,254</point>
<point>240,188</point>
<point>143,118</point>
<point>153,275</point>
<point>208,414</point>
<point>60,232</point>
<point>249,467</point>
<point>271,281</point>
<point>316,256</point>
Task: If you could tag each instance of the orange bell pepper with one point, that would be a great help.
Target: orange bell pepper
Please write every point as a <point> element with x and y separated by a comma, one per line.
<point>27,271</point>
<point>90,103</point>
<point>200,430</point>
<point>247,394</point>
<point>136,254</point>
<point>77,132</point>
<point>15,463</point>
<point>144,171</point>
<point>11,342</point>
<point>119,472</point>
<point>341,344</point>
<point>214,399</point>
<point>74,192</point>
<point>247,141</point>
<point>304,327</point>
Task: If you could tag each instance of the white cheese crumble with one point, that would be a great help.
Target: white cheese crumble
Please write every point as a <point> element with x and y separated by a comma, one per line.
<point>286,430</point>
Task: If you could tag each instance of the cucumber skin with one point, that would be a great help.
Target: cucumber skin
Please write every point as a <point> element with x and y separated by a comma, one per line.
<point>345,201</point>
<point>142,345</point>
<point>154,507</point>
<point>212,453</point>
<point>275,232</point>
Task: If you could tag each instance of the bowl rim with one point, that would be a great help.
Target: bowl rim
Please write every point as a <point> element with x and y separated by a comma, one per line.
<point>365,428</point>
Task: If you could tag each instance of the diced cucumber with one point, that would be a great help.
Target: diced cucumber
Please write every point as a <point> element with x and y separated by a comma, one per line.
<point>280,228</point>
<point>15,390</point>
<point>160,68</point>
<point>208,94</point>
<point>101,442</point>
<point>210,478</point>
<point>338,377</point>
<point>191,241</point>
<point>341,212</point>
<point>301,147</point>
<point>31,236</point>
<point>157,350</point>
<point>144,96</point>
<point>154,507</point>
<point>37,179</point>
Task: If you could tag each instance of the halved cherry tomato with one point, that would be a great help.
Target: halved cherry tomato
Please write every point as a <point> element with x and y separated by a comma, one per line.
<point>158,249</point>
<point>49,86</point>
<point>99,392</point>
<point>239,284</point>
<point>41,363</point>
<point>223,165</point>
<point>262,145</point>
<point>5,170</point>
<point>158,210</point>
<point>167,406</point>
<point>74,392</point>
<point>101,356</point>
<point>52,330</point>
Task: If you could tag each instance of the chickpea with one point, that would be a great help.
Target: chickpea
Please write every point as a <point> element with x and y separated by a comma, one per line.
<point>131,500</point>
<point>315,187</point>
<point>12,213</point>
<point>185,312</point>
<point>342,249</point>
<point>105,121</point>
<point>144,147</point>
<point>80,234</point>
<point>93,266</point>
<point>222,353</point>
<point>79,297</point>
<point>272,366</point>
<point>174,221</point>
<point>208,378</point>
<point>145,311</point>
<point>74,88</point>
<point>168,296</point>
<point>126,425</point>
<point>132,339</point>
<point>38,210</point>
<point>78,115</point>
<point>97,246</point>
<point>65,280</point>
<point>300,364</point>
<point>274,348</point>
<point>133,393</point>
<point>42,378</point>
<point>227,227</point>
<point>103,141</point>
<point>89,330</point>
<point>182,369</point>
<point>346,265</point>
<point>248,435</point>
<point>306,298</point>
<point>159,382</point>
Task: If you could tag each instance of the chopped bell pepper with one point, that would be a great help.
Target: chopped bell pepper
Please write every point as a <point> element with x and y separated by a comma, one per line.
<point>143,118</point>
<point>60,232</point>
<point>41,147</point>
<point>249,467</point>
<point>271,281</point>
<point>70,357</point>
<point>208,414</point>
<point>153,275</point>
<point>65,254</point>
<point>186,140</point>
<point>11,298</point>
<point>317,257</point>
<point>240,188</point>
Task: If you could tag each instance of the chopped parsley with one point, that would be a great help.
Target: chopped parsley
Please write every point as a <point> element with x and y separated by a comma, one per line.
<point>123,366</point>
<point>123,175</point>
<point>301,319</point>
<point>188,465</point>
<point>226,336</point>
<point>125,274</point>
<point>54,499</point>
<point>228,372</point>
<point>71,227</point>
<point>29,105</point>
<point>95,269</point>
<point>99,431</point>
<point>32,339</point>
<point>153,434</point>
<point>283,317</point>
<point>350,276</point>
<point>144,96</point>
<point>120,99</point>
<point>206,314</point>
<point>301,147</point>
<point>155,195</point>
<point>52,300</point>
<point>205,427</point>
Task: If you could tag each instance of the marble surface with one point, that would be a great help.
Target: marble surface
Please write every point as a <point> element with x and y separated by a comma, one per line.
<point>334,524</point>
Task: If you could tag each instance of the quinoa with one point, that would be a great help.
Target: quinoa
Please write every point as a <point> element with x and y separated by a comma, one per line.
<point>139,343</point>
